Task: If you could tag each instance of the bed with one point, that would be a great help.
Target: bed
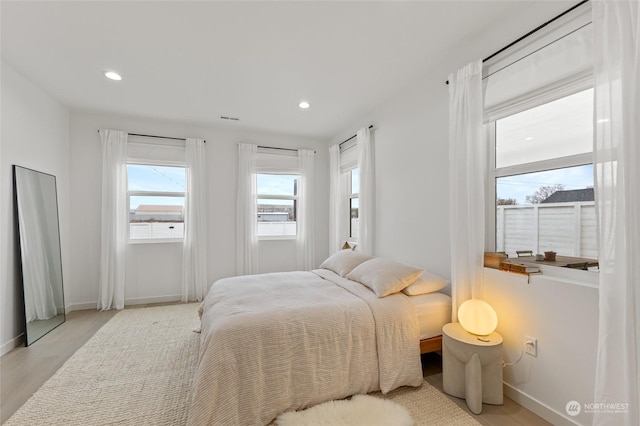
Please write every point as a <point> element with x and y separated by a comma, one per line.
<point>277,342</point>
<point>433,310</point>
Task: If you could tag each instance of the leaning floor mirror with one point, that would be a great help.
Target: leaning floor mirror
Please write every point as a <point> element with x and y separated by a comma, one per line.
<point>36,205</point>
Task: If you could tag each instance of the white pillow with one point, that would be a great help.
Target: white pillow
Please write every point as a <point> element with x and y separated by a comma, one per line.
<point>343,261</point>
<point>384,276</point>
<point>427,283</point>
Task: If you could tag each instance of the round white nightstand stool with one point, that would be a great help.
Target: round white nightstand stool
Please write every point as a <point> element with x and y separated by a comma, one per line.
<point>472,366</point>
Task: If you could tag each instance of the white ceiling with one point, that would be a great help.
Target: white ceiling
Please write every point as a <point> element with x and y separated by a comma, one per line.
<point>195,61</point>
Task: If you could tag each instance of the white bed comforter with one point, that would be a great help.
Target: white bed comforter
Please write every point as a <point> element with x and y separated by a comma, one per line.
<point>272,343</point>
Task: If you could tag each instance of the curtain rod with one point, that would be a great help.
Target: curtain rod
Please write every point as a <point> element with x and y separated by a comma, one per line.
<point>154,136</point>
<point>347,140</point>
<point>539,27</point>
<point>282,149</point>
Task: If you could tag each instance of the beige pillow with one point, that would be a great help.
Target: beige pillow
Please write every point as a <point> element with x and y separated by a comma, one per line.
<point>343,261</point>
<point>427,283</point>
<point>384,276</point>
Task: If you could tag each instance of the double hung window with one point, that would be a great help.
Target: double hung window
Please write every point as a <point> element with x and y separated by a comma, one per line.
<point>543,174</point>
<point>539,111</point>
<point>349,214</point>
<point>277,205</point>
<point>354,202</point>
<point>155,195</point>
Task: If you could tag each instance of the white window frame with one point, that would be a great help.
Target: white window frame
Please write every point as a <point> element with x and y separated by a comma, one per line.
<point>579,277</point>
<point>278,197</point>
<point>350,196</point>
<point>154,194</point>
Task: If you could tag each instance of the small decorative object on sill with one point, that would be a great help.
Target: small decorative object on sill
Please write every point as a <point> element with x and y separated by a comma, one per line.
<point>519,268</point>
<point>493,260</point>
<point>524,253</point>
<point>539,257</point>
<point>550,256</point>
<point>348,245</point>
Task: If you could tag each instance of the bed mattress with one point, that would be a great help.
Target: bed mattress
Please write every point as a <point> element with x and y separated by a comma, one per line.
<point>433,311</point>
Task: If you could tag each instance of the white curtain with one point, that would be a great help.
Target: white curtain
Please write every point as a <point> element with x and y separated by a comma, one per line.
<point>366,210</point>
<point>467,171</point>
<point>194,252</point>
<point>617,184</point>
<point>246,235</point>
<point>336,201</point>
<point>306,227</point>
<point>114,221</point>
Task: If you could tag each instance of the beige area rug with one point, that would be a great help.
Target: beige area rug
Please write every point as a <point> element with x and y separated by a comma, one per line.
<point>138,370</point>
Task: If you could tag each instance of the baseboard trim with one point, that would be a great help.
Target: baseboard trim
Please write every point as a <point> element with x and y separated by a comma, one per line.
<point>537,407</point>
<point>128,302</point>
<point>12,344</point>
<point>155,299</point>
<point>81,306</point>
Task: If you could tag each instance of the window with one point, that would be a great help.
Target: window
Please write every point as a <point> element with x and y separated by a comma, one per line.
<point>543,170</point>
<point>354,202</point>
<point>277,200</point>
<point>156,202</point>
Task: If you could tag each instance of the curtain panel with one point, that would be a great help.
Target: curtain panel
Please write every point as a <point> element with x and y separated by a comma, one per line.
<point>306,255</point>
<point>113,242</point>
<point>194,251</point>
<point>467,171</point>
<point>246,235</point>
<point>366,210</point>
<point>617,178</point>
<point>336,201</point>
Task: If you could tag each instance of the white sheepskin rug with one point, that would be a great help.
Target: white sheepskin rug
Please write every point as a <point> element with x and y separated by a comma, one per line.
<point>361,410</point>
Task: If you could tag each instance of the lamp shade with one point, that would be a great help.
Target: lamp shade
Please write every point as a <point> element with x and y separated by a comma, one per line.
<point>477,317</point>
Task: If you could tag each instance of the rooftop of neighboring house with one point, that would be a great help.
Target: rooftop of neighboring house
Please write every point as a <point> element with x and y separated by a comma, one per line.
<point>570,196</point>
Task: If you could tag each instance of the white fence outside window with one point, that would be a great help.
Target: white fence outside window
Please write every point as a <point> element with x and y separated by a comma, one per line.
<point>569,229</point>
<point>274,229</point>
<point>155,230</point>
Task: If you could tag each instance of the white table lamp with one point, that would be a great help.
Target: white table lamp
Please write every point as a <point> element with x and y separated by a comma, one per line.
<point>477,317</point>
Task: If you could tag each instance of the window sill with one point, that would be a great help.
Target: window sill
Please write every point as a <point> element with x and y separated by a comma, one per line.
<point>156,241</point>
<point>589,279</point>
<point>569,275</point>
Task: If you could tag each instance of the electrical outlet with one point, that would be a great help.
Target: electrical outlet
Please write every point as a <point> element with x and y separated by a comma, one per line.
<point>531,346</point>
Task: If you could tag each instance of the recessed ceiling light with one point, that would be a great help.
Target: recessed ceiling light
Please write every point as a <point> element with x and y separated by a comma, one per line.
<point>530,138</point>
<point>112,75</point>
<point>304,105</point>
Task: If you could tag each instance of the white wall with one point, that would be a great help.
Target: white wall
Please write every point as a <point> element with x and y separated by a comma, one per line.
<point>35,134</point>
<point>563,317</point>
<point>411,170</point>
<point>412,225</point>
<point>154,270</point>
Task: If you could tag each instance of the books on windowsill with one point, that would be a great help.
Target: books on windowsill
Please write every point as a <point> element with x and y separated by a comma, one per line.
<point>519,268</point>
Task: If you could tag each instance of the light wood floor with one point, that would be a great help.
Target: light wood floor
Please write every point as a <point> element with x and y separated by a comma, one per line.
<point>24,370</point>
